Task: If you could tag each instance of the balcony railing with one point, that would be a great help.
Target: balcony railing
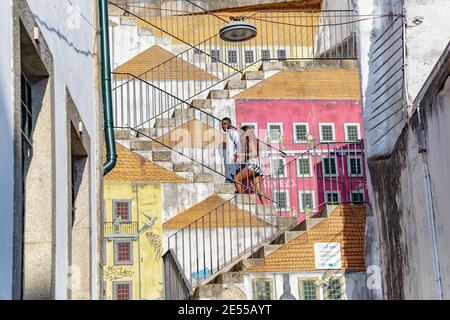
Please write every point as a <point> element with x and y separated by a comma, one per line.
<point>123,229</point>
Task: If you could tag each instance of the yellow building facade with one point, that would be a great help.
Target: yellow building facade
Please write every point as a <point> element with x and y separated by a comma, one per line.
<point>132,228</point>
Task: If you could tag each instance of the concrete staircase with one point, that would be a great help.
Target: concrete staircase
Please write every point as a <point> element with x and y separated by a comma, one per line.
<point>230,282</point>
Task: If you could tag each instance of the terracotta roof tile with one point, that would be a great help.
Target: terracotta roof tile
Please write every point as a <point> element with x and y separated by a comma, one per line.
<point>228,215</point>
<point>307,84</point>
<point>132,167</point>
<point>176,69</point>
<point>345,225</point>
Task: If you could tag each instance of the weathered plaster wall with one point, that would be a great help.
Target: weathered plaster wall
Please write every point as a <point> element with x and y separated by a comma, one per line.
<point>6,152</point>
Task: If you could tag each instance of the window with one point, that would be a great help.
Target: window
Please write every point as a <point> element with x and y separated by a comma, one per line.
<point>332,197</point>
<point>282,200</point>
<point>215,55</point>
<point>308,290</point>
<point>300,132</point>
<point>278,168</point>
<point>334,289</point>
<point>232,56</point>
<point>249,56</point>
<point>122,290</point>
<point>281,53</point>
<point>252,125</point>
<point>357,196</point>
<point>304,167</point>
<point>352,132</point>
<point>197,51</point>
<point>326,132</point>
<point>262,289</point>
<point>329,166</point>
<point>123,252</point>
<point>122,210</point>
<point>306,200</point>
<point>265,54</point>
<point>275,131</point>
<point>354,167</point>
<point>27,111</point>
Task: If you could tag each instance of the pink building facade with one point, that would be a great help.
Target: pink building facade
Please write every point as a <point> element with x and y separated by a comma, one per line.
<point>323,142</point>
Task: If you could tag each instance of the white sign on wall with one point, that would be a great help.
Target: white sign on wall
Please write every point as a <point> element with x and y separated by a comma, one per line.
<point>328,255</point>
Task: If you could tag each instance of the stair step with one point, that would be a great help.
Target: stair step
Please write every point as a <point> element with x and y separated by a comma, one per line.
<point>253,75</point>
<point>266,250</point>
<point>183,167</point>
<point>285,221</point>
<point>271,65</point>
<point>184,114</point>
<point>231,277</point>
<point>162,156</point>
<point>122,134</point>
<point>312,222</point>
<point>149,132</point>
<point>252,262</point>
<point>236,84</point>
<point>203,178</point>
<point>289,235</point>
<point>245,199</point>
<point>224,188</point>
<point>141,145</point>
<point>201,103</point>
<point>219,94</point>
<point>167,122</point>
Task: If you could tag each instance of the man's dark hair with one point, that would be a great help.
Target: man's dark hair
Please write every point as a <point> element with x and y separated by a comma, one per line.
<point>226,119</point>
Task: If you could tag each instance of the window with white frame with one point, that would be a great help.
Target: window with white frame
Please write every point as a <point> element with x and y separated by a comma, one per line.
<point>332,197</point>
<point>251,125</point>
<point>265,54</point>
<point>278,167</point>
<point>304,167</point>
<point>326,131</point>
<point>329,166</point>
<point>352,132</point>
<point>123,252</point>
<point>274,131</point>
<point>122,290</point>
<point>281,54</point>
<point>281,200</point>
<point>249,56</point>
<point>197,51</point>
<point>121,210</point>
<point>308,289</point>
<point>232,56</point>
<point>355,166</point>
<point>334,289</point>
<point>262,289</point>
<point>300,132</point>
<point>306,200</point>
<point>357,196</point>
<point>215,55</point>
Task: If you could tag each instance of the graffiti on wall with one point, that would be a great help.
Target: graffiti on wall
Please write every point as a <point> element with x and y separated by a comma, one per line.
<point>116,273</point>
<point>154,239</point>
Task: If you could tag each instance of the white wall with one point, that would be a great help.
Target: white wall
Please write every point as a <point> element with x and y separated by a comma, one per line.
<point>70,39</point>
<point>6,152</point>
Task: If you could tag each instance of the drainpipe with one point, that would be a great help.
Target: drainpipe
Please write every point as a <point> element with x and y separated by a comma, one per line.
<point>110,141</point>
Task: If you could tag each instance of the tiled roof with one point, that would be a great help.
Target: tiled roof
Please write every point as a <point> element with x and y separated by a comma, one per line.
<point>227,215</point>
<point>307,84</point>
<point>270,32</point>
<point>345,225</point>
<point>132,167</point>
<point>192,134</point>
<point>176,69</point>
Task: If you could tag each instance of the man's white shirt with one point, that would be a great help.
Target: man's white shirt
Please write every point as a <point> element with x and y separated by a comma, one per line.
<point>233,145</point>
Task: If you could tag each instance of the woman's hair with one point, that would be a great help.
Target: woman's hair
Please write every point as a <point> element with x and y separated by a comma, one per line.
<point>248,133</point>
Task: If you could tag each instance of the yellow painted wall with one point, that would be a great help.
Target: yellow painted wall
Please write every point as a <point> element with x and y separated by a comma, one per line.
<point>146,272</point>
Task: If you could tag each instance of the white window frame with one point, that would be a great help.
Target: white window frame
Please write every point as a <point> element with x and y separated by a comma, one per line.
<point>346,125</point>
<point>336,166</point>
<point>272,167</point>
<point>254,124</point>
<point>274,124</point>
<point>349,174</point>
<point>294,131</point>
<point>271,285</point>
<point>287,200</point>
<point>333,130</point>
<point>358,191</point>
<point>228,56</point>
<point>130,209</point>
<point>300,201</point>
<point>319,292</point>
<point>285,54</point>
<point>342,283</point>
<point>270,54</point>
<point>333,191</point>
<point>213,59</point>
<point>253,55</point>
<point>310,167</point>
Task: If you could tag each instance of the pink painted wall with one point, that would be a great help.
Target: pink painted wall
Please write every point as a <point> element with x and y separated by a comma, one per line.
<point>312,112</point>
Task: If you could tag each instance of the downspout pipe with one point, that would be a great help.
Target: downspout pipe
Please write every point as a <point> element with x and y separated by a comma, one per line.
<point>108,121</point>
